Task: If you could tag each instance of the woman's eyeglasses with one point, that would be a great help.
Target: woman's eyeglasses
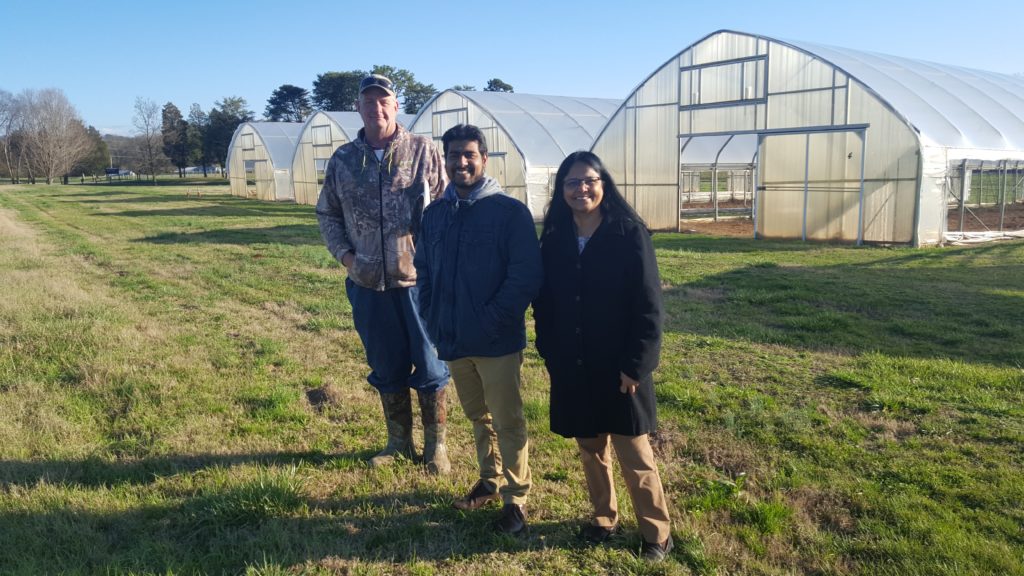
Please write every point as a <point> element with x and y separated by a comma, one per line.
<point>577,183</point>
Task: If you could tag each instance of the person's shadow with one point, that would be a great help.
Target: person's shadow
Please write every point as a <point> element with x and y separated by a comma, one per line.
<point>215,521</point>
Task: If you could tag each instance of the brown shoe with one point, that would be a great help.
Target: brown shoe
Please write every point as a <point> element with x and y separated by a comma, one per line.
<point>481,493</point>
<point>512,520</point>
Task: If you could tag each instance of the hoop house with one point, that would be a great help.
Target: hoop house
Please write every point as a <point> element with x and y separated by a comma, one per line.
<point>260,159</point>
<point>528,136</point>
<point>844,145</point>
<point>321,135</point>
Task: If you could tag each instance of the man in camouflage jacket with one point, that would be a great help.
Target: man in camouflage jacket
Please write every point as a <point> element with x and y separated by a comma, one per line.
<point>374,193</point>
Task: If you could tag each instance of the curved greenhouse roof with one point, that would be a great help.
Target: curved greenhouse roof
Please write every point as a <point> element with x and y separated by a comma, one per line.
<point>952,106</point>
<point>546,128</point>
<point>823,143</point>
<point>322,134</point>
<point>261,152</point>
<point>528,135</point>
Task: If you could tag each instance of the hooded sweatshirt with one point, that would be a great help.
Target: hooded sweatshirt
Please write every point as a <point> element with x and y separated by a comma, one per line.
<point>478,267</point>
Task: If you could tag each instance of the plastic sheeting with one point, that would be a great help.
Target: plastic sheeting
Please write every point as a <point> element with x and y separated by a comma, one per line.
<point>528,135</point>
<point>321,135</point>
<point>264,149</point>
<point>918,119</point>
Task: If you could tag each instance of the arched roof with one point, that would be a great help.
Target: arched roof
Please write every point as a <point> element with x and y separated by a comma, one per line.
<point>951,106</point>
<point>280,139</point>
<point>545,129</point>
<point>351,123</point>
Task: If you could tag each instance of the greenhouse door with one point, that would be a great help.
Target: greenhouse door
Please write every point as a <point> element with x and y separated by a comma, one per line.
<point>264,180</point>
<point>496,167</point>
<point>810,185</point>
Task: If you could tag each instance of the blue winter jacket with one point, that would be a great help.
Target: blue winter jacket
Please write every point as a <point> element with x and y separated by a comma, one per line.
<point>478,267</point>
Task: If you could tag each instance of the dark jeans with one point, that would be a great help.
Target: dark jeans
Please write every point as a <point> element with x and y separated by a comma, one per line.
<point>398,350</point>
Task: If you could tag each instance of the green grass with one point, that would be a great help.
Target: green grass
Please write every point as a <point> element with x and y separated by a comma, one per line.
<point>823,409</point>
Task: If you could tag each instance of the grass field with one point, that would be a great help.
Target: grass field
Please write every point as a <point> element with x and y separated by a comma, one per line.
<point>824,409</point>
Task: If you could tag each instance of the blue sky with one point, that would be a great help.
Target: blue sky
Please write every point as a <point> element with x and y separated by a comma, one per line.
<point>104,53</point>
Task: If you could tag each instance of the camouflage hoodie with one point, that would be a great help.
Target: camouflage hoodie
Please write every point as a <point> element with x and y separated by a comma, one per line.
<point>373,207</point>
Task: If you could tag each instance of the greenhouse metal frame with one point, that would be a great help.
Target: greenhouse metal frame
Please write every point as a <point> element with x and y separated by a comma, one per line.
<point>841,144</point>
<point>528,135</point>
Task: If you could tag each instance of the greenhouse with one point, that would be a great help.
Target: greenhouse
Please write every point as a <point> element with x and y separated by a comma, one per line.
<point>321,135</point>
<point>528,136</point>
<point>260,160</point>
<point>821,143</point>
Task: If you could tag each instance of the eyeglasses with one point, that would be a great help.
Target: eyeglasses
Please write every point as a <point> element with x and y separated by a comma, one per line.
<point>577,183</point>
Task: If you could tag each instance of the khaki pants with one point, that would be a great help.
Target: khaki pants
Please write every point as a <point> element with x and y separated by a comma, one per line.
<point>642,481</point>
<point>489,393</point>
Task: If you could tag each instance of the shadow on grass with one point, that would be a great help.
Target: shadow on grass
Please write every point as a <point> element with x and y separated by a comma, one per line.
<point>961,304</point>
<point>151,198</point>
<point>211,180</point>
<point>221,210</point>
<point>217,527</point>
<point>294,235</point>
<point>95,472</point>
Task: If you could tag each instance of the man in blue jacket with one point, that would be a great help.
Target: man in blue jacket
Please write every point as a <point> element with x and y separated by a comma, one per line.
<point>477,269</point>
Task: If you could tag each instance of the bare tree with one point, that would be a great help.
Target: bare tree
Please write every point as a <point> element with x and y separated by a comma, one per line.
<point>17,137</point>
<point>148,123</point>
<point>55,137</point>
<point>10,112</point>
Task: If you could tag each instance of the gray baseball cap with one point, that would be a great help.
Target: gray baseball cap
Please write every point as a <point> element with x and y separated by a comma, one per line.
<point>376,81</point>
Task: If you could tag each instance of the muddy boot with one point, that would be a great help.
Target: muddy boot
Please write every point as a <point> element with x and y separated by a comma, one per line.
<point>398,418</point>
<point>434,409</point>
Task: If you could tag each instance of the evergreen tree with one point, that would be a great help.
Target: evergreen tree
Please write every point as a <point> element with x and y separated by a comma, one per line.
<point>337,91</point>
<point>496,85</point>
<point>198,123</point>
<point>174,130</point>
<point>224,118</point>
<point>98,158</point>
<point>288,103</point>
<point>410,92</point>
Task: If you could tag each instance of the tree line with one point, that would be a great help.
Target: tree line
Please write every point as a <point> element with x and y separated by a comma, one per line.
<point>43,137</point>
<point>337,91</point>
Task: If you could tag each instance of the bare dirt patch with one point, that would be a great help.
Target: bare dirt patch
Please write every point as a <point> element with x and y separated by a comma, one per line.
<point>736,227</point>
<point>706,295</point>
<point>986,218</point>
<point>975,220</point>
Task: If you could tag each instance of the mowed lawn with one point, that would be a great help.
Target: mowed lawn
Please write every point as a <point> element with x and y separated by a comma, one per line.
<point>182,392</point>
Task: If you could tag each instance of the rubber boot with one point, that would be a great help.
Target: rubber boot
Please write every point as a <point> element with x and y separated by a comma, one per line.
<point>398,419</point>
<point>434,410</point>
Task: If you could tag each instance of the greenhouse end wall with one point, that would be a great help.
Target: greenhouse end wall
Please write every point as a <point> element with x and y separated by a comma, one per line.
<point>505,164</point>
<point>833,162</point>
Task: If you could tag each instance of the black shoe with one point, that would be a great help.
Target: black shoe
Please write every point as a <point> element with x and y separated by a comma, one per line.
<point>512,520</point>
<point>656,552</point>
<point>598,534</point>
<point>480,494</point>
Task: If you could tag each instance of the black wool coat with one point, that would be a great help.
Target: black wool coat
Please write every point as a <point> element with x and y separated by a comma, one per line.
<point>600,313</point>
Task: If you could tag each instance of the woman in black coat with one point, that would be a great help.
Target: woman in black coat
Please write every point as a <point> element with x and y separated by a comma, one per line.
<point>598,319</point>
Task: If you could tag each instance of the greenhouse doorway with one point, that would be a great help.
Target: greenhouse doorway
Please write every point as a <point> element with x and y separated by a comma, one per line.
<point>810,185</point>
<point>716,182</point>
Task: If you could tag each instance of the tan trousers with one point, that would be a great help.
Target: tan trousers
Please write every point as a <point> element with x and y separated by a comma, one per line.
<point>642,481</point>
<point>489,393</point>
